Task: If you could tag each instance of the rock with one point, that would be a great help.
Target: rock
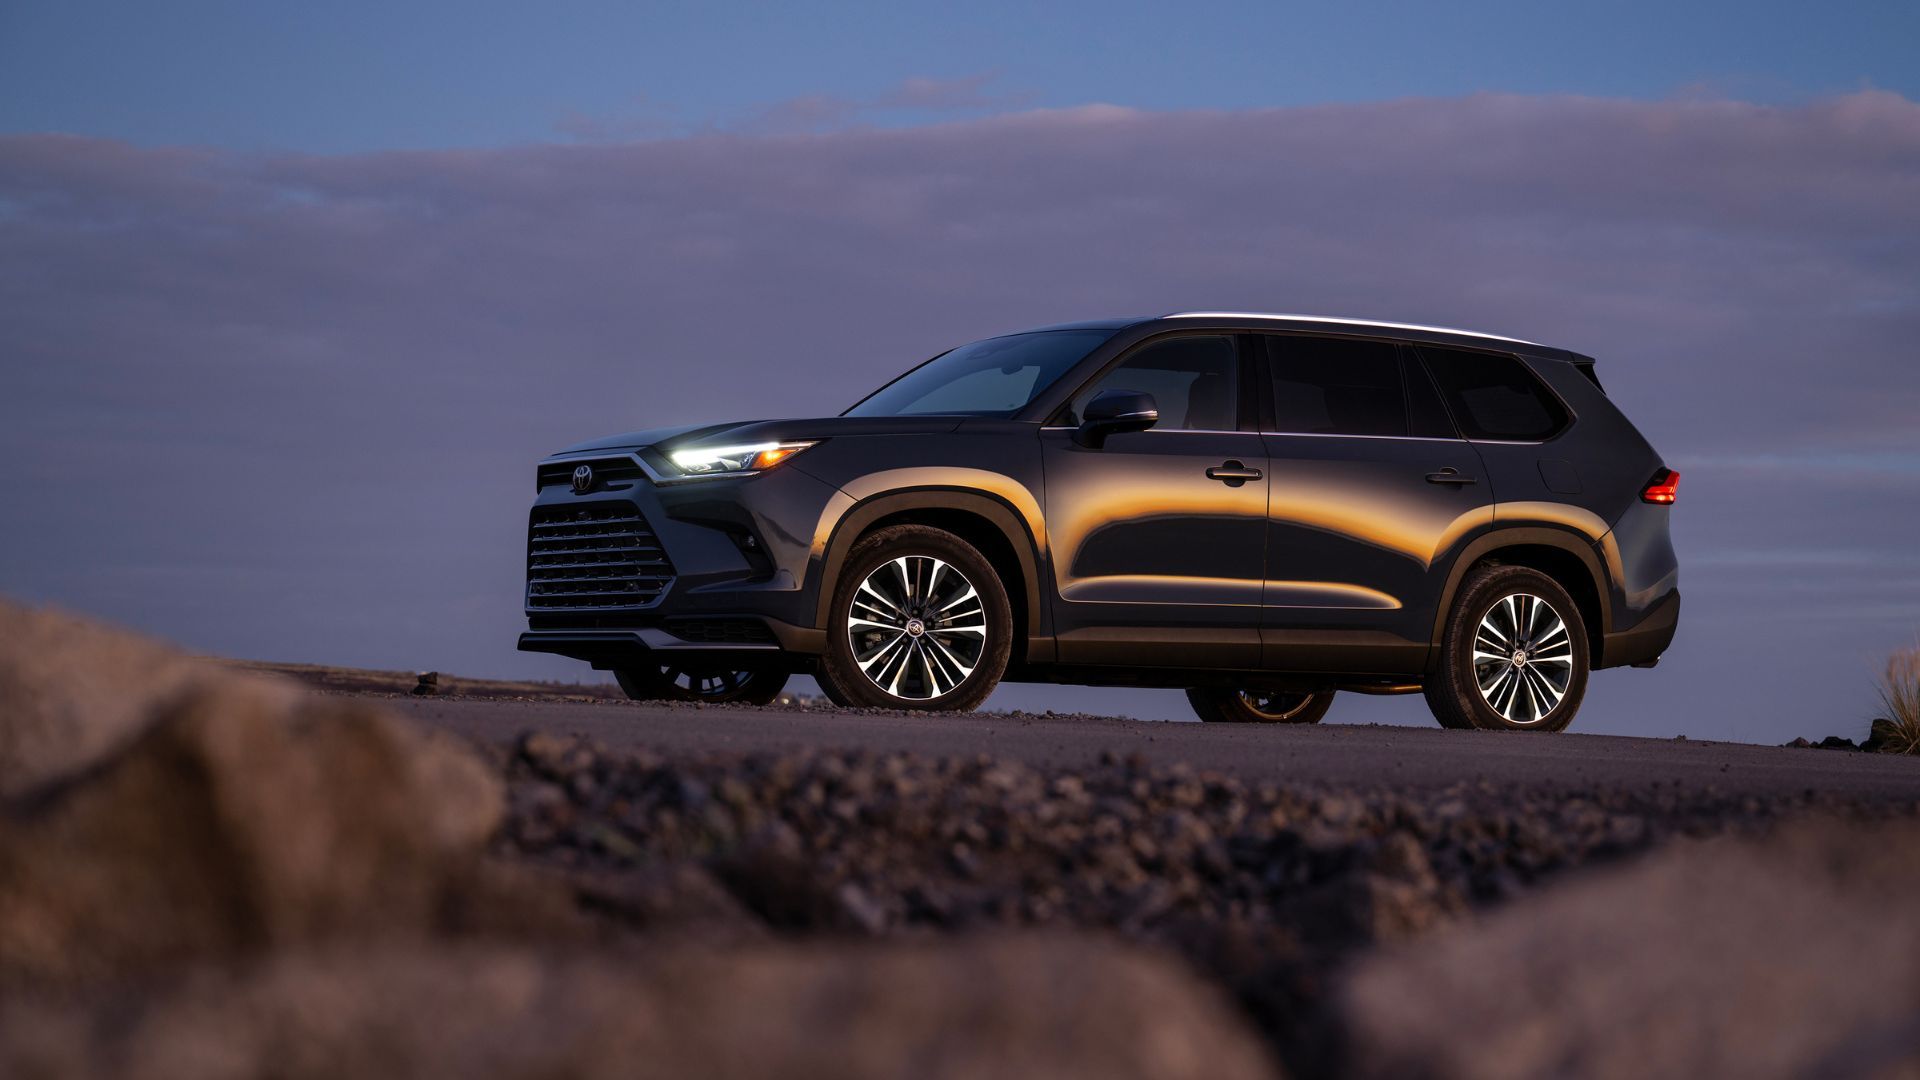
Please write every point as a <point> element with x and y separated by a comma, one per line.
<point>428,684</point>
<point>1023,1006</point>
<point>556,757</point>
<point>1795,956</point>
<point>683,900</point>
<point>241,819</point>
<point>1884,737</point>
<point>1800,744</point>
<point>73,692</point>
<point>859,909</point>
<point>1835,742</point>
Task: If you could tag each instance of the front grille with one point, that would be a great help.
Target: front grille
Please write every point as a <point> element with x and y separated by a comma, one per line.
<point>608,470</point>
<point>721,631</point>
<point>593,557</point>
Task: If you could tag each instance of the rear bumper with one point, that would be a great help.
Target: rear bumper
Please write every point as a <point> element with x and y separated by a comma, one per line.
<point>1645,640</point>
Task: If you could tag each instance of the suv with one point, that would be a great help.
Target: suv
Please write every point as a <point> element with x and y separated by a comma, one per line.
<point>1262,510</point>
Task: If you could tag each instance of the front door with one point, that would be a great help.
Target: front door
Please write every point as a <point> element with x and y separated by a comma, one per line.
<point>1158,537</point>
<point>1373,494</point>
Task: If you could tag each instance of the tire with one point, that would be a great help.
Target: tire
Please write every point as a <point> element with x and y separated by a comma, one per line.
<point>670,682</point>
<point>1540,686</point>
<point>886,649</point>
<point>1259,706</point>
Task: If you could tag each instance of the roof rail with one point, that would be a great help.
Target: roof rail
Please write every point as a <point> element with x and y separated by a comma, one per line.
<point>1344,322</point>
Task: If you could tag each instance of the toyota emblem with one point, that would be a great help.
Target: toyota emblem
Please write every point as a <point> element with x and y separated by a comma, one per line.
<point>583,480</point>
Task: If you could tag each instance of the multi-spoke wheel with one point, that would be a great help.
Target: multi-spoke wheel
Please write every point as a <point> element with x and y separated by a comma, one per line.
<point>673,682</point>
<point>1260,706</point>
<point>920,621</point>
<point>1522,658</point>
<point>1514,655</point>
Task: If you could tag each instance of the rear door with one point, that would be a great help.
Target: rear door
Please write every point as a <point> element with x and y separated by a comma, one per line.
<point>1373,492</point>
<point>1158,537</point>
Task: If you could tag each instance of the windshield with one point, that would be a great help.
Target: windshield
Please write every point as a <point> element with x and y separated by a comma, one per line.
<point>995,377</point>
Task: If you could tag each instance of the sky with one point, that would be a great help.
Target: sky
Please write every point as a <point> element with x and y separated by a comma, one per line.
<point>292,297</point>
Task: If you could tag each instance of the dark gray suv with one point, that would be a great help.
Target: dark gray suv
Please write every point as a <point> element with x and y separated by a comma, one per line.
<point>1262,510</point>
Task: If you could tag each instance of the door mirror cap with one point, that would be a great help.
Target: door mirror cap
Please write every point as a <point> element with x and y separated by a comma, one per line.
<point>1114,411</point>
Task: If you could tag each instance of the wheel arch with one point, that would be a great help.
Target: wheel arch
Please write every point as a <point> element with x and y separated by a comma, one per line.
<point>990,525</point>
<point>1568,558</point>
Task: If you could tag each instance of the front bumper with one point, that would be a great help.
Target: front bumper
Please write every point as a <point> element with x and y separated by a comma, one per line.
<point>743,573</point>
<point>610,649</point>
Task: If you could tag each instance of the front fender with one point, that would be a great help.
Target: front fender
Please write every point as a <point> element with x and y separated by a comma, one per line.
<point>1007,505</point>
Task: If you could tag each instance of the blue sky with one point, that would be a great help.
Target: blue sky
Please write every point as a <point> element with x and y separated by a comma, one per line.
<point>354,75</point>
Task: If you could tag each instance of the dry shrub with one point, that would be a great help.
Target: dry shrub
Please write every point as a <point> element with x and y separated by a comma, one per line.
<point>1900,691</point>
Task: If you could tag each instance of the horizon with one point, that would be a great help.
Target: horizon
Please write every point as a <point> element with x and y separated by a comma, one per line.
<point>279,362</point>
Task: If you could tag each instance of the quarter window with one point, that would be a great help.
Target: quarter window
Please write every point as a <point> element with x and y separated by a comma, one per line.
<point>1192,380</point>
<point>1494,395</point>
<point>1337,386</point>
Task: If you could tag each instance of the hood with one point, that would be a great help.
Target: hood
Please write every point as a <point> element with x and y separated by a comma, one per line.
<point>754,431</point>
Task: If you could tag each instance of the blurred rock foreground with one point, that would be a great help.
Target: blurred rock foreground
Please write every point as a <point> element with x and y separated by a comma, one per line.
<point>1797,957</point>
<point>208,875</point>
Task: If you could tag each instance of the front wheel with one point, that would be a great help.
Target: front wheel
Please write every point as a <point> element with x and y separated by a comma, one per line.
<point>919,621</point>
<point>1260,706</point>
<point>671,682</point>
<point>1514,654</point>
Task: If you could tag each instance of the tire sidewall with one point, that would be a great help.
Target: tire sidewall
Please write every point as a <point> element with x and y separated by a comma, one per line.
<point>905,540</point>
<point>1479,599</point>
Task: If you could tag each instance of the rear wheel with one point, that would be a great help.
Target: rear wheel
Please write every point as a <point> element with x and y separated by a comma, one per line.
<point>673,682</point>
<point>1514,655</point>
<point>919,621</point>
<point>1260,706</point>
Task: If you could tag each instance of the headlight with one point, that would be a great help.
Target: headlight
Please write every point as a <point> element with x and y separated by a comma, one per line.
<point>734,460</point>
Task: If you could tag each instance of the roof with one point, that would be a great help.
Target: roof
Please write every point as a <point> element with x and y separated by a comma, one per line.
<point>1120,323</point>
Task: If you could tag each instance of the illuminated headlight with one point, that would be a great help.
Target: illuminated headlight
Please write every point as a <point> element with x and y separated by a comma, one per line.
<point>734,460</point>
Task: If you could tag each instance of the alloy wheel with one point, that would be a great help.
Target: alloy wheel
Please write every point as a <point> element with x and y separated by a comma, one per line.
<point>701,685</point>
<point>917,627</point>
<point>1522,658</point>
<point>1277,705</point>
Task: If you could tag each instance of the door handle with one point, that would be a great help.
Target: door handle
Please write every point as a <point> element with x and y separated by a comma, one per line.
<point>1449,475</point>
<point>1232,473</point>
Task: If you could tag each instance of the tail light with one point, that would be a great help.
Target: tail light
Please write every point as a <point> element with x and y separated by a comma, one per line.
<point>1663,488</point>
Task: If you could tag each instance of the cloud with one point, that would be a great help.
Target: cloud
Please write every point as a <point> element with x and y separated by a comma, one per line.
<point>919,98</point>
<point>641,118</point>
<point>965,94</point>
<point>288,404</point>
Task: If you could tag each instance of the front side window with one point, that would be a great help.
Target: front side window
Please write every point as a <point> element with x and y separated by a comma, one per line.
<point>995,377</point>
<point>1337,386</point>
<point>1494,396</point>
<point>1193,380</point>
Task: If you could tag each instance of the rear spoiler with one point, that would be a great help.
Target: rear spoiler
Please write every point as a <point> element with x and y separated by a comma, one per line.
<point>1585,366</point>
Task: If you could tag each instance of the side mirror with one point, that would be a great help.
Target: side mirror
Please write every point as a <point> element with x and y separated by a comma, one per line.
<point>1114,411</point>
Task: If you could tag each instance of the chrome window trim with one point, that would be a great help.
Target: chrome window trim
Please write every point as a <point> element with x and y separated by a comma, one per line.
<point>1344,435</point>
<point>1298,435</point>
<point>1158,430</point>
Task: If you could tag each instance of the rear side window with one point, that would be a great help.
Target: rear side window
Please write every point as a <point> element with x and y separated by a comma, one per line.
<point>1336,386</point>
<point>1192,380</point>
<point>1495,395</point>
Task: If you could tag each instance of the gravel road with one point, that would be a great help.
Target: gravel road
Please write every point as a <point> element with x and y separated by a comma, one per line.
<point>1408,759</point>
